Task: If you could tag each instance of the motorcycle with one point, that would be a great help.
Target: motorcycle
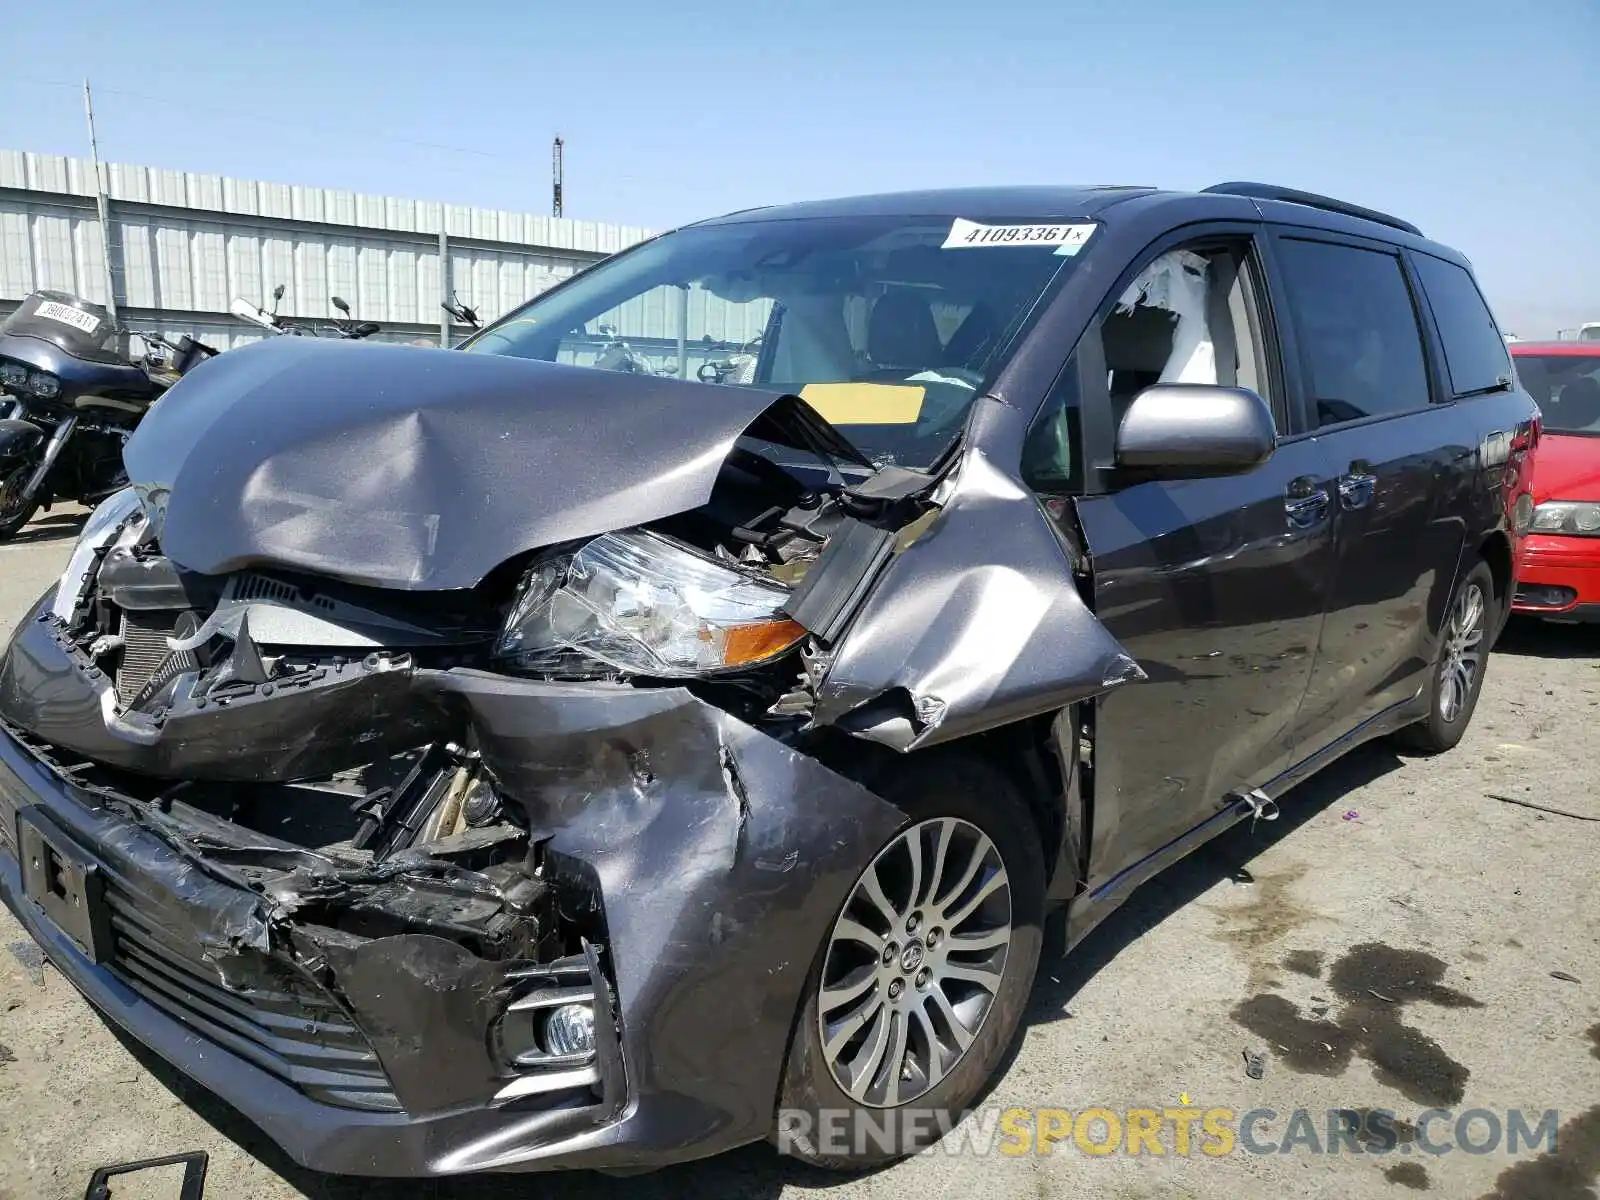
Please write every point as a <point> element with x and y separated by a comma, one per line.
<point>617,355</point>
<point>739,367</point>
<point>345,326</point>
<point>70,397</point>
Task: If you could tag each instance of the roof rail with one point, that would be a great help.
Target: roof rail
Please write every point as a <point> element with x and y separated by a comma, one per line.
<point>1268,191</point>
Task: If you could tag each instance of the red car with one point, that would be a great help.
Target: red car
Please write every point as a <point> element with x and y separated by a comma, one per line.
<point>1558,569</point>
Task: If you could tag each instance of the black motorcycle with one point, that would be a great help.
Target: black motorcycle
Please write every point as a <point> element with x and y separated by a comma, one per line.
<point>70,396</point>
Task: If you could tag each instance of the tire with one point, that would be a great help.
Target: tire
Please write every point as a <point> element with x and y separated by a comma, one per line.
<point>12,521</point>
<point>974,801</point>
<point>1451,700</point>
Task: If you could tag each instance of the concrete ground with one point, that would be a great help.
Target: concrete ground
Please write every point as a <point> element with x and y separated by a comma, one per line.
<point>1398,939</point>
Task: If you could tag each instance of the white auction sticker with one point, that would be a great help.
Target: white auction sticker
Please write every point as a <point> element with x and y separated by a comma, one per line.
<point>1068,239</point>
<point>68,315</point>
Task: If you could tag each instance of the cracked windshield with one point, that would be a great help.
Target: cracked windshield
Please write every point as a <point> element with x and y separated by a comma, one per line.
<point>888,327</point>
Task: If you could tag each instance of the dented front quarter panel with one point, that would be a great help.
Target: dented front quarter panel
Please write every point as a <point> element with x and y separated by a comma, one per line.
<point>714,855</point>
<point>721,855</point>
<point>975,624</point>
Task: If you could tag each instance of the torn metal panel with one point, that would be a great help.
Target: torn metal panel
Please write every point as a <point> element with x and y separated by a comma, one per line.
<point>334,716</point>
<point>720,856</point>
<point>715,910</point>
<point>429,1007</point>
<point>708,856</point>
<point>975,624</point>
<point>426,469</point>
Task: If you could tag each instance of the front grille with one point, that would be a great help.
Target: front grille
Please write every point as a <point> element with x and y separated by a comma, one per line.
<point>144,648</point>
<point>290,1027</point>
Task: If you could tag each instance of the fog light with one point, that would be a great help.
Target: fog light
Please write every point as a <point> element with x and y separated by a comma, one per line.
<point>1538,595</point>
<point>570,1030</point>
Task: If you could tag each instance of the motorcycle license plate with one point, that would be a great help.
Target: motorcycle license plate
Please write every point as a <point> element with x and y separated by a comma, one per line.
<point>68,315</point>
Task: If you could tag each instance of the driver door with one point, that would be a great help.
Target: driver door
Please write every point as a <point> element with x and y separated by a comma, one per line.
<point>1216,586</point>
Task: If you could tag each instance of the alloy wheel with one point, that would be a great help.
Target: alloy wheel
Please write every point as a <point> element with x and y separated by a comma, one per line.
<point>1463,652</point>
<point>914,962</point>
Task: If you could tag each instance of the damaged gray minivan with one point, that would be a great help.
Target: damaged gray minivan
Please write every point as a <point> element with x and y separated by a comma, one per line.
<point>486,760</point>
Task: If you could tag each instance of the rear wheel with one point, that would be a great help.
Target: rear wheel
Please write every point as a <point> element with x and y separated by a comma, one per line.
<point>918,990</point>
<point>1457,678</point>
<point>15,512</point>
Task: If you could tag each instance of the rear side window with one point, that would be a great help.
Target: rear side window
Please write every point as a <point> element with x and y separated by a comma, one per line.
<point>1474,351</point>
<point>1358,330</point>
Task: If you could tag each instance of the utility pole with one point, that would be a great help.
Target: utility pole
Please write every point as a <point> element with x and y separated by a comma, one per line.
<point>103,206</point>
<point>446,292</point>
<point>555,177</point>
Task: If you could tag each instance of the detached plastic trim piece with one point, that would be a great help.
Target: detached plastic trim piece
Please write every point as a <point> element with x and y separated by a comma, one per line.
<point>839,578</point>
<point>194,1163</point>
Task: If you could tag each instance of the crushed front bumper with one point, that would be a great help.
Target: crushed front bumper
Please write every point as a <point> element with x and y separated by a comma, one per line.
<point>716,857</point>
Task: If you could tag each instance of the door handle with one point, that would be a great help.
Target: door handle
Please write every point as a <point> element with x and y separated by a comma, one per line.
<point>1305,503</point>
<point>1355,489</point>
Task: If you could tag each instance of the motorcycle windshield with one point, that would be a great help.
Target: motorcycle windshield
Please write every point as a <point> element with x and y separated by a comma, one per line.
<point>82,329</point>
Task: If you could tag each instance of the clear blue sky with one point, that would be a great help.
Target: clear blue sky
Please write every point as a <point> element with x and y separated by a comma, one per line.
<point>1477,120</point>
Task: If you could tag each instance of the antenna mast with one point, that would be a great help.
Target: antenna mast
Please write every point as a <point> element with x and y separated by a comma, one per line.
<point>102,207</point>
<point>555,178</point>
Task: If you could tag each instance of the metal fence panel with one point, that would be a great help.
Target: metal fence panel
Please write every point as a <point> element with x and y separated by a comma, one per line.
<point>184,245</point>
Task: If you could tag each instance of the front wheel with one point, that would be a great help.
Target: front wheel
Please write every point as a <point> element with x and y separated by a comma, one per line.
<point>15,512</point>
<point>1457,678</point>
<point>918,990</point>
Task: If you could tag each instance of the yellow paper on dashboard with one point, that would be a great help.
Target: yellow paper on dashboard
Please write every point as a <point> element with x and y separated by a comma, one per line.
<point>865,403</point>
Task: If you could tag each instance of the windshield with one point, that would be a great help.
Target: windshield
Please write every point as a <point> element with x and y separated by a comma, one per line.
<point>1567,387</point>
<point>888,326</point>
<point>82,329</point>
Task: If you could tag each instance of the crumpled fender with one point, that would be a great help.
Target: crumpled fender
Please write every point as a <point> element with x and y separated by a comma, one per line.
<point>721,857</point>
<point>976,624</point>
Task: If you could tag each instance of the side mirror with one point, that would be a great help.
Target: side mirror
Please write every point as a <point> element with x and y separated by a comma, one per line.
<point>341,306</point>
<point>1196,428</point>
<point>277,292</point>
<point>246,311</point>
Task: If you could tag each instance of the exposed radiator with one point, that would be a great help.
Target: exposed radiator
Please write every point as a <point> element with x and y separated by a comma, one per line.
<point>144,647</point>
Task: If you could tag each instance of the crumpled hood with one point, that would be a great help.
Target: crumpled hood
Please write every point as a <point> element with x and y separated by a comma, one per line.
<point>413,468</point>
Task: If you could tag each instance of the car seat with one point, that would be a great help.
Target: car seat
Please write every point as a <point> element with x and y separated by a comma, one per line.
<point>901,336</point>
<point>1578,406</point>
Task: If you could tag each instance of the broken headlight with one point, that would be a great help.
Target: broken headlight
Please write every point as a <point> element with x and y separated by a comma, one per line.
<point>642,605</point>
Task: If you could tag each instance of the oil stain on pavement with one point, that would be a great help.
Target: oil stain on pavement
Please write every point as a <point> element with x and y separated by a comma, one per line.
<point>1569,1172</point>
<point>1411,1175</point>
<point>1372,984</point>
<point>1304,962</point>
<point>1272,913</point>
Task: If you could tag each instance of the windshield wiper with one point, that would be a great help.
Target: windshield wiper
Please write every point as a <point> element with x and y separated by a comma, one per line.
<point>1503,384</point>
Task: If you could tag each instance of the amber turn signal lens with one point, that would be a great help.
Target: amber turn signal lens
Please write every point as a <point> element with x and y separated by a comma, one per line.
<point>758,642</point>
